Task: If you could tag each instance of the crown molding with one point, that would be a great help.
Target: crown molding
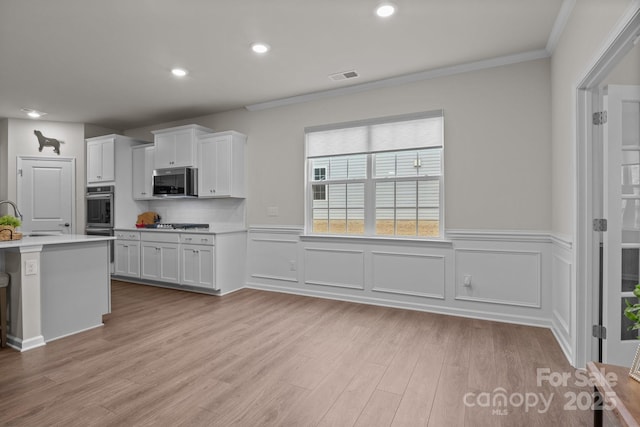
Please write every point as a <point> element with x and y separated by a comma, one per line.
<point>558,26</point>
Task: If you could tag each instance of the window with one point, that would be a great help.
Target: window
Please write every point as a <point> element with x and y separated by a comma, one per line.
<point>319,191</point>
<point>380,177</point>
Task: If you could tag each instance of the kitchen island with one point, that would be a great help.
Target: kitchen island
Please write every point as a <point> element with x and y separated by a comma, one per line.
<point>60,285</point>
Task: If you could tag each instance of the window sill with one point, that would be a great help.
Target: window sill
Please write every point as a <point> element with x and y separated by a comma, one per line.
<point>375,239</point>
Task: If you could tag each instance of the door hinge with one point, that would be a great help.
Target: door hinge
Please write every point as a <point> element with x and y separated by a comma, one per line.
<point>600,118</point>
<point>599,224</point>
<point>599,332</point>
<point>19,172</point>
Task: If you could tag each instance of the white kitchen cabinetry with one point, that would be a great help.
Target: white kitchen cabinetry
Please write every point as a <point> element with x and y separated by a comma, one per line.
<point>101,159</point>
<point>176,147</point>
<point>127,254</point>
<point>221,165</point>
<point>212,263</point>
<point>143,157</point>
<point>197,261</point>
<point>160,257</point>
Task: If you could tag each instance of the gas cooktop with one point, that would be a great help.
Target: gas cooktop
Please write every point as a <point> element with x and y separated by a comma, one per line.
<point>177,226</point>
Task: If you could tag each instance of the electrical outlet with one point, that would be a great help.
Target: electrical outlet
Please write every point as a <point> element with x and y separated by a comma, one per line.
<point>30,267</point>
<point>467,280</point>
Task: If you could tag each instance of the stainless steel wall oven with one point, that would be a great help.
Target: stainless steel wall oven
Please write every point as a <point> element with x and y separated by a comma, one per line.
<point>100,212</point>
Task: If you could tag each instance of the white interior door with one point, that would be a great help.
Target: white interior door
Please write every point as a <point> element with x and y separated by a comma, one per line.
<point>45,194</point>
<point>621,252</point>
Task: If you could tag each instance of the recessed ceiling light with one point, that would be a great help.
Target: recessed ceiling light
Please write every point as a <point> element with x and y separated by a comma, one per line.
<point>385,9</point>
<point>33,113</point>
<point>179,72</point>
<point>260,47</point>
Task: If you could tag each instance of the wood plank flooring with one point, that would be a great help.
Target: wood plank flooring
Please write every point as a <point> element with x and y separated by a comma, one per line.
<point>254,358</point>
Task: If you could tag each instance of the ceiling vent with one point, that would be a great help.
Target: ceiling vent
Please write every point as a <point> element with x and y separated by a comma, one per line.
<point>344,75</point>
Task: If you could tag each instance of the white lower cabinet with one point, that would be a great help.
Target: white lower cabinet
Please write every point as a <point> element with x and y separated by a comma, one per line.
<point>197,260</point>
<point>127,258</point>
<point>197,266</point>
<point>160,261</point>
<point>127,253</point>
<point>184,259</point>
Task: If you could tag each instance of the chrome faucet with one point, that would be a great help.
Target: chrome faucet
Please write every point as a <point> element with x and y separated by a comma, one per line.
<point>15,208</point>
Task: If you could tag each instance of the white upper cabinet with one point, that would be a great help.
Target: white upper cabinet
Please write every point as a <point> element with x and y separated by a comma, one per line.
<point>221,165</point>
<point>143,160</point>
<point>176,147</point>
<point>101,159</point>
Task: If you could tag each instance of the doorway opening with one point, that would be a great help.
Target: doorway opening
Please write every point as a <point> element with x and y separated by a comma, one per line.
<point>594,250</point>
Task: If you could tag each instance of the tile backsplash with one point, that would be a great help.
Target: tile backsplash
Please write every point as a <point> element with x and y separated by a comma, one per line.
<point>209,211</point>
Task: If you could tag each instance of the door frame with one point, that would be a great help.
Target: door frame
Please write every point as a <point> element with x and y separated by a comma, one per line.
<point>72,161</point>
<point>587,204</point>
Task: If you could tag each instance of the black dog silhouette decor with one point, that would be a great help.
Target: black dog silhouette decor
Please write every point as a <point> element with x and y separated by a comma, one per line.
<point>48,142</point>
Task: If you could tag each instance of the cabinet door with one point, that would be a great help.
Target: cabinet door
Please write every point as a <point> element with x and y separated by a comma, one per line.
<point>108,160</point>
<point>214,169</point>
<point>165,150</point>
<point>207,167</point>
<point>143,163</point>
<point>169,263</point>
<point>197,266</point>
<point>94,161</point>
<point>222,167</point>
<point>175,149</point>
<point>150,255</point>
<point>184,146</point>
<point>127,258</point>
<point>207,267</point>
<point>121,258</point>
<point>100,160</point>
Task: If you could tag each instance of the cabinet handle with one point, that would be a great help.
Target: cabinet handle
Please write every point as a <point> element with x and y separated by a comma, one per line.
<point>188,238</point>
<point>204,240</point>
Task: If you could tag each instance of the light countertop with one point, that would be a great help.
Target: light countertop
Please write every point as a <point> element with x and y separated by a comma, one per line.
<point>59,239</point>
<point>211,230</point>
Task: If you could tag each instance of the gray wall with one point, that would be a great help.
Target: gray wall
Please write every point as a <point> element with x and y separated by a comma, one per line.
<point>497,145</point>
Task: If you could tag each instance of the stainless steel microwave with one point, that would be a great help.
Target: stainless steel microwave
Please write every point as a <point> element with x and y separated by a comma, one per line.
<point>175,182</point>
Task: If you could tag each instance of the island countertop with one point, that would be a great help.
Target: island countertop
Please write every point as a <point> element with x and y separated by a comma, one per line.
<point>58,239</point>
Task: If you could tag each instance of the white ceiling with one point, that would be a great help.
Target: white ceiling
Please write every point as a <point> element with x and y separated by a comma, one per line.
<point>107,62</point>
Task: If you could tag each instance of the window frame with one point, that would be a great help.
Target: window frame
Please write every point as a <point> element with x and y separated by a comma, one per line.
<point>370,181</point>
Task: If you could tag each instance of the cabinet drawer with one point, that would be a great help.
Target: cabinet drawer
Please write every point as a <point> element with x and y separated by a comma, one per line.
<point>197,239</point>
<point>127,235</point>
<point>160,236</point>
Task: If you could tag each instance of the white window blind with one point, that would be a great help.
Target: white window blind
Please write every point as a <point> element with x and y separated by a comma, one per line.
<point>394,133</point>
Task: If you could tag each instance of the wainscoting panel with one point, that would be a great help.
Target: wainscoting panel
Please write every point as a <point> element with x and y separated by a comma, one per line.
<point>562,295</point>
<point>561,301</point>
<point>341,268</point>
<point>499,277</point>
<point>408,274</point>
<point>273,256</point>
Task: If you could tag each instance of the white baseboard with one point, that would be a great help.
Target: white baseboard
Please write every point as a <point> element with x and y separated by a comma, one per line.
<point>24,345</point>
<point>472,314</point>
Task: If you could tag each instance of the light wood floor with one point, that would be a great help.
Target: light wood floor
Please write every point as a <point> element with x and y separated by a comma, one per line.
<point>256,358</point>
